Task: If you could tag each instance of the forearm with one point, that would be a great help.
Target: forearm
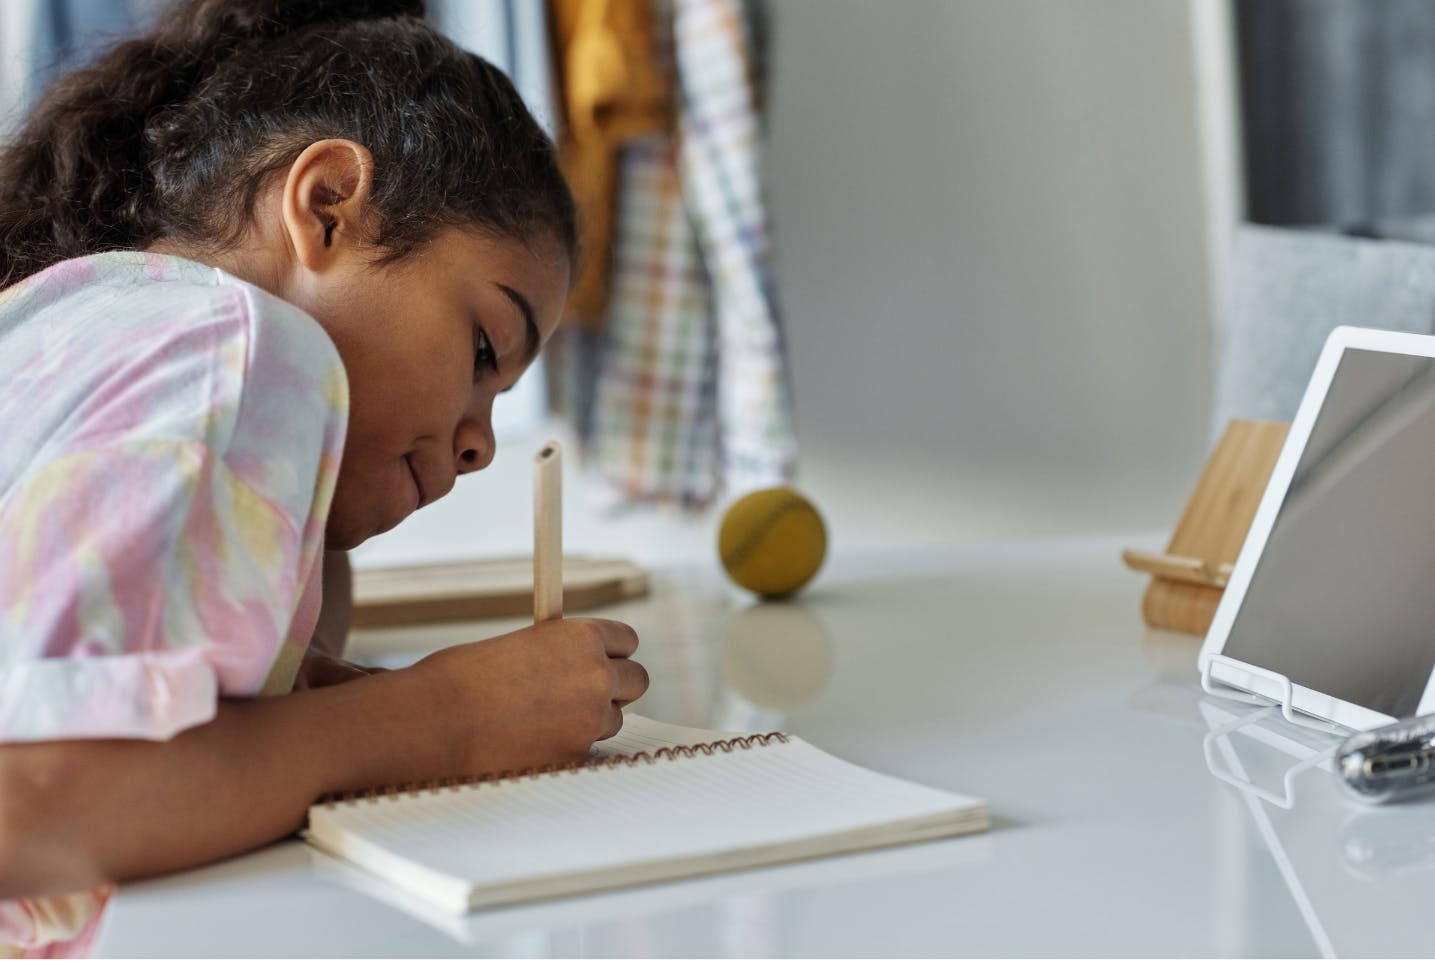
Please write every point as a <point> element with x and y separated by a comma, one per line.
<point>74,814</point>
<point>80,813</point>
<point>324,662</point>
<point>336,614</point>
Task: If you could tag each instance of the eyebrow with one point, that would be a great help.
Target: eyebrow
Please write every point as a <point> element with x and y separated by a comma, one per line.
<point>533,337</point>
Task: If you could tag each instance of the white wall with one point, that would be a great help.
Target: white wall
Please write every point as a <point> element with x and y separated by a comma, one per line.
<point>992,228</point>
<point>998,227</point>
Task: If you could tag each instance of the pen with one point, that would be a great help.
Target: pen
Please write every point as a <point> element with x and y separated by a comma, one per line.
<point>1391,763</point>
<point>548,532</point>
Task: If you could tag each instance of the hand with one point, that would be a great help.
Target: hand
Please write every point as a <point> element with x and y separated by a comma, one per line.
<point>541,695</point>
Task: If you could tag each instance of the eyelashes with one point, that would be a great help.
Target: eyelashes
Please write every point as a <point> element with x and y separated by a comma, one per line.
<point>484,359</point>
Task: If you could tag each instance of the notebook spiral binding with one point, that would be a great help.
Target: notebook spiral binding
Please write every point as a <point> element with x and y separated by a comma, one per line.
<point>744,743</point>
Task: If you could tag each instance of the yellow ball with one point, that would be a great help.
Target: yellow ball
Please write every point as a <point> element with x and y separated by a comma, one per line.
<point>772,541</point>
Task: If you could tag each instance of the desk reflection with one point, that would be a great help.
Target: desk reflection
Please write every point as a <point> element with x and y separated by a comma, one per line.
<point>773,658</point>
<point>1358,874</point>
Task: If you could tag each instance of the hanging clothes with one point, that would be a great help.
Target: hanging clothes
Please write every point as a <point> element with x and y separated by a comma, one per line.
<point>612,90</point>
<point>689,393</point>
<point>654,432</point>
<point>1338,120</point>
<point>721,152</point>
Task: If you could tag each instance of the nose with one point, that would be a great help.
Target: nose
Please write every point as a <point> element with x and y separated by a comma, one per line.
<point>473,444</point>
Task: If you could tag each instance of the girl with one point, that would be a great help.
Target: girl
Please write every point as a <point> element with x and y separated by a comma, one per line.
<point>267,268</point>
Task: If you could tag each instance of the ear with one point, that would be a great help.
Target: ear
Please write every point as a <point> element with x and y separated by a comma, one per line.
<point>325,199</point>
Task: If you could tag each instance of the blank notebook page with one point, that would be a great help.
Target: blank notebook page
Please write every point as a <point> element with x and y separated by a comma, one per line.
<point>603,818</point>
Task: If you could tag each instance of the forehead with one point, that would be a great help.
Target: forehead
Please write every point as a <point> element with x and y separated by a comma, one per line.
<point>481,264</point>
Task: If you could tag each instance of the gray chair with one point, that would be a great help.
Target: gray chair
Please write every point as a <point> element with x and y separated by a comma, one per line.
<point>1288,290</point>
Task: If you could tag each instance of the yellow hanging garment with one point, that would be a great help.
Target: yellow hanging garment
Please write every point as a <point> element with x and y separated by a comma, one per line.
<point>611,88</point>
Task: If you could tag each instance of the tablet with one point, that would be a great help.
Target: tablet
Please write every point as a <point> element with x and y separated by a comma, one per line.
<point>1334,588</point>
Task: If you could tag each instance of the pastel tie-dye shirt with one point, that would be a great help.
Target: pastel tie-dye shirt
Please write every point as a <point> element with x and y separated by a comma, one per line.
<point>169,441</point>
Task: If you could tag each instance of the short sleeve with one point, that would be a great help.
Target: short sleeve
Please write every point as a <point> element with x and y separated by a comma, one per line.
<point>139,582</point>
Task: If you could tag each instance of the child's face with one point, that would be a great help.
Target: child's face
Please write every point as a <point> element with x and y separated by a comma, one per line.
<point>419,406</point>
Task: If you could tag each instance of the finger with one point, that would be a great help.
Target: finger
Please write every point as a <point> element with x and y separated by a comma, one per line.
<point>631,681</point>
<point>619,640</point>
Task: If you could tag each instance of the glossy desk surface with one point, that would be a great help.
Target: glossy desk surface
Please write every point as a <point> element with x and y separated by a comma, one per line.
<point>1018,673</point>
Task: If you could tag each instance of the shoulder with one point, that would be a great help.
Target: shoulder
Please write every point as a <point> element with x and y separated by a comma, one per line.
<point>291,418</point>
<point>129,345</point>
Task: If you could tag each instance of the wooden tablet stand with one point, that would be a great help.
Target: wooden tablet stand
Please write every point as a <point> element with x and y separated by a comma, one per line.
<point>1188,580</point>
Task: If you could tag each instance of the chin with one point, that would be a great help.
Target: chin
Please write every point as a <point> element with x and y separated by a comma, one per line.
<point>346,533</point>
<point>342,536</point>
<point>342,542</point>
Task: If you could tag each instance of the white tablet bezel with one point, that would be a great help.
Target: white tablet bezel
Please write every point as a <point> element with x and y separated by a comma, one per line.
<point>1252,677</point>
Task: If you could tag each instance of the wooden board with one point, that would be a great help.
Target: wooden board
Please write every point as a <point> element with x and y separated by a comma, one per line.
<point>1189,578</point>
<point>473,590</point>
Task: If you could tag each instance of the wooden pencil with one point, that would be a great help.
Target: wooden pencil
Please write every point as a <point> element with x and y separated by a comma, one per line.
<point>548,532</point>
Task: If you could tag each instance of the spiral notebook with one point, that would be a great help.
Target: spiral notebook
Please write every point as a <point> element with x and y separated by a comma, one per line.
<point>655,803</point>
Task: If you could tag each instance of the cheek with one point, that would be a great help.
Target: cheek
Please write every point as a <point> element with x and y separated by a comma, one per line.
<point>342,528</point>
<point>357,474</point>
<point>407,379</point>
<point>374,492</point>
<point>394,404</point>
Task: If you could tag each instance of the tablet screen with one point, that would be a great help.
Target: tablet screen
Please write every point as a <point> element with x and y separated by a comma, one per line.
<point>1342,600</point>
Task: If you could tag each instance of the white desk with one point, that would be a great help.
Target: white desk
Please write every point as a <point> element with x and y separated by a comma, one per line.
<point>1020,674</point>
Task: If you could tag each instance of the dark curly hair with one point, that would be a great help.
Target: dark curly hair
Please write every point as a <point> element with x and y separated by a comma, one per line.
<point>173,134</point>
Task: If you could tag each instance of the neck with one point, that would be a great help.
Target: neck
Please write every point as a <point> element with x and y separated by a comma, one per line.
<point>247,265</point>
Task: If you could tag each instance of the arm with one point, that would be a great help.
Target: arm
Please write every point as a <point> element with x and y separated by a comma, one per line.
<point>324,662</point>
<point>336,614</point>
<point>74,814</point>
